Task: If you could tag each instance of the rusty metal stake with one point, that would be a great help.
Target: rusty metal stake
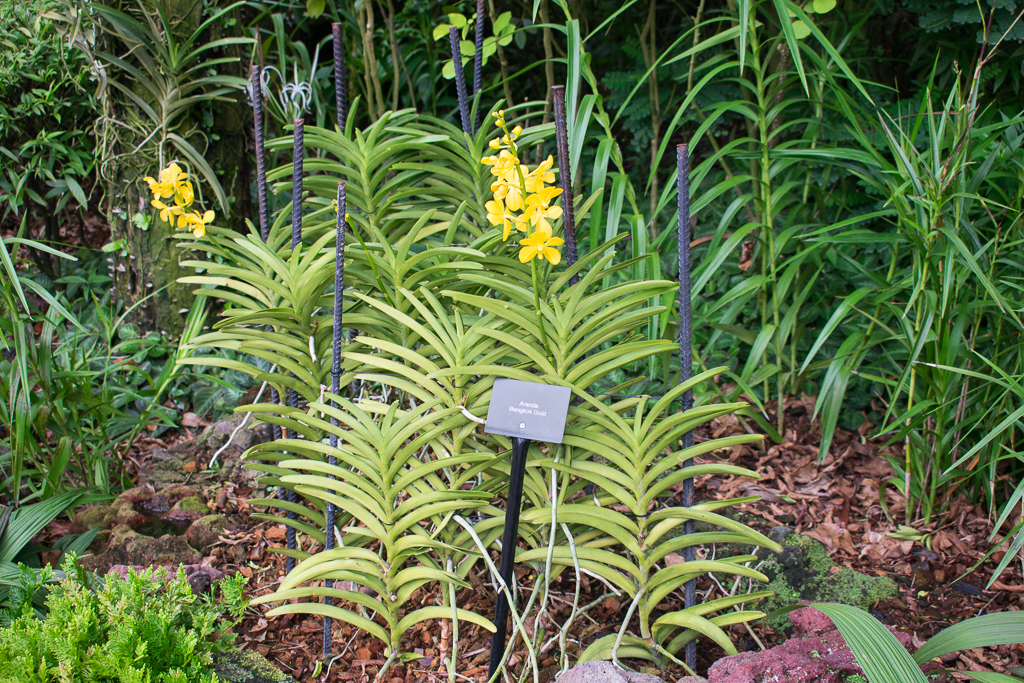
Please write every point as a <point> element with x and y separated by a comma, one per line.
<point>565,176</point>
<point>339,300</point>
<point>478,63</point>
<point>340,78</point>
<point>460,82</point>
<point>298,144</point>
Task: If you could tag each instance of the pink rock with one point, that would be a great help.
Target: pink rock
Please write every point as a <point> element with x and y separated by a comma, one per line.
<point>817,652</point>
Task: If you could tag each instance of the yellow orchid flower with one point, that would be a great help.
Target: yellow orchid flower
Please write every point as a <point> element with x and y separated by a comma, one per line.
<point>541,176</point>
<point>184,194</point>
<point>197,224</point>
<point>539,210</point>
<point>172,179</point>
<point>504,164</point>
<point>173,175</point>
<point>540,244</point>
<point>496,216</point>
<point>167,213</point>
<point>158,190</point>
<point>505,141</point>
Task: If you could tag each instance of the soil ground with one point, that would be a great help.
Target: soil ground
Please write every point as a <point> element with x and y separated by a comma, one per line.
<point>835,501</point>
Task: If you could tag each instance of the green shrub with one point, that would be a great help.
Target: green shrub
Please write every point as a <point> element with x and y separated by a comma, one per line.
<point>46,113</point>
<point>131,631</point>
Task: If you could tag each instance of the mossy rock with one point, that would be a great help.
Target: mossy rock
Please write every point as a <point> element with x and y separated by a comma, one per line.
<point>192,504</point>
<point>90,517</point>
<point>246,666</point>
<point>804,571</point>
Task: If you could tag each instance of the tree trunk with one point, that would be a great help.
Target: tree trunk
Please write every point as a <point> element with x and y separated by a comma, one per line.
<point>146,259</point>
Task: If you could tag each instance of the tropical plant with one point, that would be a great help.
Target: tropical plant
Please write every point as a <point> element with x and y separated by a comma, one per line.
<point>46,108</point>
<point>172,74</point>
<point>77,391</point>
<point>944,302</point>
<point>412,480</point>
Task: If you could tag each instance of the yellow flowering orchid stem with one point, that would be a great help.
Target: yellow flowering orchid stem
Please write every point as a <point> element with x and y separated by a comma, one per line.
<point>514,149</point>
<point>536,301</point>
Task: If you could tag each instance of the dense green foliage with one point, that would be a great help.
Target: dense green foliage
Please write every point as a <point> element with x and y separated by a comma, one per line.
<point>444,308</point>
<point>46,119</point>
<point>856,188</point>
<point>73,393</point>
<point>141,629</point>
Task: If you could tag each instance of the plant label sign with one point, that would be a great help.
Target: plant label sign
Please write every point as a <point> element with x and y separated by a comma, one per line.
<point>529,410</point>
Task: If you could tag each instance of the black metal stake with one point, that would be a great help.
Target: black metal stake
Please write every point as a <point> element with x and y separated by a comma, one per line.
<point>478,63</point>
<point>293,396</point>
<point>460,82</point>
<point>261,196</point>
<point>261,157</point>
<point>339,300</point>
<point>509,541</point>
<point>340,77</point>
<point>565,176</point>
<point>686,359</point>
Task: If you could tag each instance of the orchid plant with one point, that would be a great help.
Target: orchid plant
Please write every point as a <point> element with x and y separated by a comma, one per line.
<point>174,184</point>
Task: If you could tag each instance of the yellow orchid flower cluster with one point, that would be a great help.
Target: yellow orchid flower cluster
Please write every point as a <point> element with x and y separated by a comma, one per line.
<point>522,198</point>
<point>174,183</point>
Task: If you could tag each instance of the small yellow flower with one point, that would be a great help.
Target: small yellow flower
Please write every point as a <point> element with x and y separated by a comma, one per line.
<point>156,189</point>
<point>171,181</point>
<point>541,176</point>
<point>539,209</point>
<point>540,244</point>
<point>184,195</point>
<point>197,224</point>
<point>505,141</point>
<point>167,213</point>
<point>504,164</point>
<point>496,215</point>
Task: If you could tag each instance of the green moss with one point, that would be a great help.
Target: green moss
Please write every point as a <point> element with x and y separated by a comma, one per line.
<point>856,678</point>
<point>246,666</point>
<point>804,571</point>
<point>193,504</point>
<point>815,556</point>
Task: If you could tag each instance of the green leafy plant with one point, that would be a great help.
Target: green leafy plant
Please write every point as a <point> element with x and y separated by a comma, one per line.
<point>943,304</point>
<point>443,307</point>
<point>46,109</point>
<point>135,629</point>
<point>172,74</point>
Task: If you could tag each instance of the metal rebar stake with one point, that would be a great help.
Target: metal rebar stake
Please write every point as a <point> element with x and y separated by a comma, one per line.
<point>298,144</point>
<point>686,359</point>
<point>509,541</point>
<point>460,82</point>
<point>339,300</point>
<point>340,78</point>
<point>478,63</point>
<point>565,176</point>
<point>261,156</point>
<point>261,198</point>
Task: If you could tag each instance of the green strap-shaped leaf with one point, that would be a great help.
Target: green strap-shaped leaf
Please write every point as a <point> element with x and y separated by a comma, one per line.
<point>988,630</point>
<point>875,648</point>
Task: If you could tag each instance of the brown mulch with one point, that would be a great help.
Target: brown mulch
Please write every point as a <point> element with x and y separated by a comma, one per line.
<point>835,501</point>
